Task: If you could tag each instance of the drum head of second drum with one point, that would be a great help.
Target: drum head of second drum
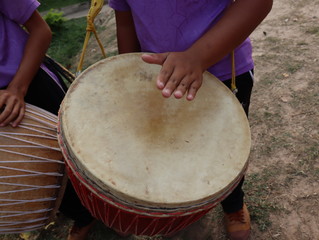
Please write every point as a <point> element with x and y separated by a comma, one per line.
<point>134,144</point>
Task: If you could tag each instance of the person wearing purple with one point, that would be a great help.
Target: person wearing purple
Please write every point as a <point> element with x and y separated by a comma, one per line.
<point>188,37</point>
<point>25,78</point>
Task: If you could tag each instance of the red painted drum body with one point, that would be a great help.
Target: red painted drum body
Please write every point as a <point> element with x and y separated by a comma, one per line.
<point>145,164</point>
<point>32,172</point>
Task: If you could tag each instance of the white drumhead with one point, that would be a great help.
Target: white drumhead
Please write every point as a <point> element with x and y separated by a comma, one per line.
<point>143,148</point>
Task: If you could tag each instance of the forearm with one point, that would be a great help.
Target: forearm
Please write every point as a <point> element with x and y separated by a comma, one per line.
<point>127,40</point>
<point>238,22</point>
<point>35,50</point>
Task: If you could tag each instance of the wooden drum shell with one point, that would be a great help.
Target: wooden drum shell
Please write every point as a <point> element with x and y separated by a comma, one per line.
<point>32,172</point>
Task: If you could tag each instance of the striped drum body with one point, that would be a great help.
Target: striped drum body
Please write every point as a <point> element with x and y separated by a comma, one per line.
<point>32,175</point>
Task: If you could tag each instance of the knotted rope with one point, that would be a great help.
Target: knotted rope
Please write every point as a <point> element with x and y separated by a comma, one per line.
<point>96,6</point>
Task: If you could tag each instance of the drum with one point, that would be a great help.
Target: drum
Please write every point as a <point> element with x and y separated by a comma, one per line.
<point>32,175</point>
<point>144,164</point>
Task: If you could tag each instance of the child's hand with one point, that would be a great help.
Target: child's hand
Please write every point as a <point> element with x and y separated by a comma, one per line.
<point>181,73</point>
<point>12,108</point>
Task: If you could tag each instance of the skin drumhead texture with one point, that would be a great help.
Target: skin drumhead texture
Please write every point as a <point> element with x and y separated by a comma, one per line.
<point>135,145</point>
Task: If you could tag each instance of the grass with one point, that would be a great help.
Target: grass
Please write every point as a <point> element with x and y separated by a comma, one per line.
<point>313,30</point>
<point>55,4</point>
<point>258,187</point>
<point>68,37</point>
<point>307,162</point>
<point>293,67</point>
<point>68,41</point>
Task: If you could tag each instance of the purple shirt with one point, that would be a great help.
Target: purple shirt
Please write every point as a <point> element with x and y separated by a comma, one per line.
<point>174,25</point>
<point>13,14</point>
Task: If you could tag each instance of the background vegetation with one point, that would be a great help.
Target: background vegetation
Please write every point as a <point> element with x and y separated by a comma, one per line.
<point>68,34</point>
<point>56,4</point>
<point>67,41</point>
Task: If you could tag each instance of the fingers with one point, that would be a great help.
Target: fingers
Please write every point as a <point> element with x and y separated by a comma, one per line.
<point>167,80</point>
<point>179,75</point>
<point>155,58</point>
<point>12,114</point>
<point>6,115</point>
<point>179,84</point>
<point>183,86</point>
<point>12,109</point>
<point>19,118</point>
<point>165,73</point>
<point>192,90</point>
<point>6,109</point>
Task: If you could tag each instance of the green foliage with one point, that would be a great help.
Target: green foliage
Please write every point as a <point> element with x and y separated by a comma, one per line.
<point>55,20</point>
<point>257,187</point>
<point>48,4</point>
<point>68,41</point>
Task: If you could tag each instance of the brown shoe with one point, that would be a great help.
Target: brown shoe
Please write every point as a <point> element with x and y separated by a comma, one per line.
<point>238,224</point>
<point>80,233</point>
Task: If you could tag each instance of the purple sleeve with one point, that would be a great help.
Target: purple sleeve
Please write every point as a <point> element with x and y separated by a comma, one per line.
<point>119,5</point>
<point>18,10</point>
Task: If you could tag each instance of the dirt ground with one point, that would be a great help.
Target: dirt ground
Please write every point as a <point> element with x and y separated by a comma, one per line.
<point>282,183</point>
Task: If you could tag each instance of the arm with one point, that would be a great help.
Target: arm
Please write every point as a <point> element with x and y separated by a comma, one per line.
<point>126,36</point>
<point>12,99</point>
<point>181,72</point>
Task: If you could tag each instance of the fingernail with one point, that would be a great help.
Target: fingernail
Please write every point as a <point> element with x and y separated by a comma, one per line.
<point>160,85</point>
<point>190,97</point>
<point>178,94</point>
<point>166,93</point>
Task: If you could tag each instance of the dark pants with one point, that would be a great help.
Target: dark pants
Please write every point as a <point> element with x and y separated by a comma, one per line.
<point>244,84</point>
<point>45,93</point>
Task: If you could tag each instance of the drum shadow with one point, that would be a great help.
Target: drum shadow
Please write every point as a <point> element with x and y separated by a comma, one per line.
<point>209,227</point>
<point>102,232</point>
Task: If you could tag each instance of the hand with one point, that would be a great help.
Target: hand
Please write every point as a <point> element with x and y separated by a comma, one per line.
<point>181,73</point>
<point>12,107</point>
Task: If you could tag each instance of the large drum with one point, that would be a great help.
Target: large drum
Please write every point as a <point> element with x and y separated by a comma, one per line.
<point>145,164</point>
<point>32,176</point>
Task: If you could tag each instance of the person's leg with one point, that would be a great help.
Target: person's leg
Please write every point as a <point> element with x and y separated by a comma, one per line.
<point>236,213</point>
<point>244,84</point>
<point>72,207</point>
<point>235,200</point>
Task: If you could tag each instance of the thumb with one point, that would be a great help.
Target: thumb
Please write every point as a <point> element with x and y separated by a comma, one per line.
<point>155,58</point>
